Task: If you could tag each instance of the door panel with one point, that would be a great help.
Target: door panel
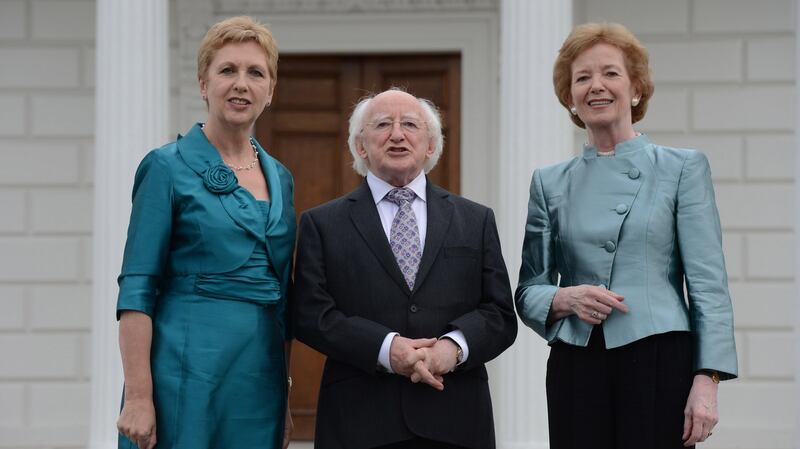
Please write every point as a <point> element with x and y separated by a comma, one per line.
<point>306,128</point>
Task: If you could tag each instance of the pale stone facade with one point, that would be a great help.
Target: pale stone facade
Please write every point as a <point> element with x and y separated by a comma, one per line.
<point>725,83</point>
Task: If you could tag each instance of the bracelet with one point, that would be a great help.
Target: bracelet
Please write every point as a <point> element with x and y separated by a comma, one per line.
<point>289,382</point>
<point>714,375</point>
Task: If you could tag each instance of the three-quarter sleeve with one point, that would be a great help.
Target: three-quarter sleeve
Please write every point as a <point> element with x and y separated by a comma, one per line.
<point>700,243</point>
<point>538,274</point>
<point>148,242</point>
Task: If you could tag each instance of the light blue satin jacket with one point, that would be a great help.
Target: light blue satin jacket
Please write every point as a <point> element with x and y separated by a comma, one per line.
<point>641,223</point>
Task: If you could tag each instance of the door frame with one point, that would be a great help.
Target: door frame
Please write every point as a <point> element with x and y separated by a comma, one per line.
<point>474,35</point>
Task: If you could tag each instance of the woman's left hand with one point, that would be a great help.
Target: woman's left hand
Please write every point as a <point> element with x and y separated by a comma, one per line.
<point>288,427</point>
<point>700,414</point>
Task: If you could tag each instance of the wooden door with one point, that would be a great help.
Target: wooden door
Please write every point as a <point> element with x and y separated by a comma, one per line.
<point>306,128</point>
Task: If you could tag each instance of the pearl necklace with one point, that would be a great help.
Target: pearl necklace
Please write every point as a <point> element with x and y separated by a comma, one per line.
<point>248,166</point>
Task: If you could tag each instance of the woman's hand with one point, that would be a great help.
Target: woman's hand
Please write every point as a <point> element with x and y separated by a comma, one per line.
<point>700,414</point>
<point>137,422</point>
<point>590,303</point>
<point>288,427</point>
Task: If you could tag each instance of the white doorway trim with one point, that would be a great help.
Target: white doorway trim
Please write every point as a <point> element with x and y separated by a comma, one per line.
<point>474,35</point>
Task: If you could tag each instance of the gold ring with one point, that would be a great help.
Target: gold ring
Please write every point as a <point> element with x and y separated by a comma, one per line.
<point>595,315</point>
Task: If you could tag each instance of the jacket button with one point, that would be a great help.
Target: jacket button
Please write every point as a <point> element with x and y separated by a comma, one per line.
<point>622,208</point>
<point>610,246</point>
<point>634,173</point>
<point>413,308</point>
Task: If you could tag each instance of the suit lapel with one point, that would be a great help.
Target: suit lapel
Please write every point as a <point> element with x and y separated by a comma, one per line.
<point>364,215</point>
<point>440,212</point>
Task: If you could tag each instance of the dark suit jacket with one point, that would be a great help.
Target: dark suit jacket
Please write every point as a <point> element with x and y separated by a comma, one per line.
<point>349,293</point>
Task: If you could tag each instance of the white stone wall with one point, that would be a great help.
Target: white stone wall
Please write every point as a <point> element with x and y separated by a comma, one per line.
<point>46,129</point>
<point>724,74</point>
<point>46,145</point>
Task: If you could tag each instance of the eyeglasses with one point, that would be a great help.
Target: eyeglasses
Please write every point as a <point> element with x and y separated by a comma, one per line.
<point>409,125</point>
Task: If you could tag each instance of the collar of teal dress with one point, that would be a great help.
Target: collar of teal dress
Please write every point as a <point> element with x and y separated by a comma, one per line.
<point>621,149</point>
<point>199,154</point>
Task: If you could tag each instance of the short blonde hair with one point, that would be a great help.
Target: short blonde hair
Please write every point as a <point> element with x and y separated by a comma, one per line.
<point>237,29</point>
<point>585,36</point>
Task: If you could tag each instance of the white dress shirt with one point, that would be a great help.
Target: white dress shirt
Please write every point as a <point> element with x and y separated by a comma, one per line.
<point>387,210</point>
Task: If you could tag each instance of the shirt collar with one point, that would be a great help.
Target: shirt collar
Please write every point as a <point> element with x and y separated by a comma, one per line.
<point>380,188</point>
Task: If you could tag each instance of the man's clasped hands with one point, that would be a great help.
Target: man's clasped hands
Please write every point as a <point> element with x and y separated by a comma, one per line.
<point>424,359</point>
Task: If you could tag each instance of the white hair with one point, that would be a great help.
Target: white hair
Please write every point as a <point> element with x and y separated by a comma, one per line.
<point>432,119</point>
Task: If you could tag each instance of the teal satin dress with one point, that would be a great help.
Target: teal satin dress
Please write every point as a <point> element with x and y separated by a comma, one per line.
<point>217,358</point>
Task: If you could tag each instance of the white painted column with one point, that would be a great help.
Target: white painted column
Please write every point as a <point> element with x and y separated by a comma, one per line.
<point>132,110</point>
<point>796,436</point>
<point>534,131</point>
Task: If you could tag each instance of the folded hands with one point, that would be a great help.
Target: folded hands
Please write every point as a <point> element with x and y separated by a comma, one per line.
<point>424,359</point>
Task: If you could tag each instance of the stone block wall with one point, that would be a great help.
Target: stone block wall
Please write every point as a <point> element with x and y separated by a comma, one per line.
<point>725,84</point>
<point>46,145</point>
<point>47,52</point>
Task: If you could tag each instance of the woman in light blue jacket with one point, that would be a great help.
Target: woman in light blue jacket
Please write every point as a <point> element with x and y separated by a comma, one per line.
<point>611,238</point>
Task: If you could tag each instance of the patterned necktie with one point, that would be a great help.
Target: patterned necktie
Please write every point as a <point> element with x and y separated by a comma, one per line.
<point>404,235</point>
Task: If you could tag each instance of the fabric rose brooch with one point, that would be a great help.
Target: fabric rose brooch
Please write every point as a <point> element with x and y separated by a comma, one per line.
<point>220,179</point>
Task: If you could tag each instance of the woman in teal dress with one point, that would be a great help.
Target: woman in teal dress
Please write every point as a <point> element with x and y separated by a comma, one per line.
<point>202,303</point>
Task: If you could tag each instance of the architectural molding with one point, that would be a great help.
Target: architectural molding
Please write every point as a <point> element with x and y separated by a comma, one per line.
<point>351,6</point>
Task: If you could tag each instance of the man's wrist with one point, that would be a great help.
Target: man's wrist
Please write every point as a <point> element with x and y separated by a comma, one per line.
<point>384,364</point>
<point>459,351</point>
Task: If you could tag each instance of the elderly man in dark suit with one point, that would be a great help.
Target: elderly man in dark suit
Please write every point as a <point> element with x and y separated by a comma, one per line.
<point>403,286</point>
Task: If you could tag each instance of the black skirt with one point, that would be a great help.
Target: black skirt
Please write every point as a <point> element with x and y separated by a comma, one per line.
<point>631,397</point>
